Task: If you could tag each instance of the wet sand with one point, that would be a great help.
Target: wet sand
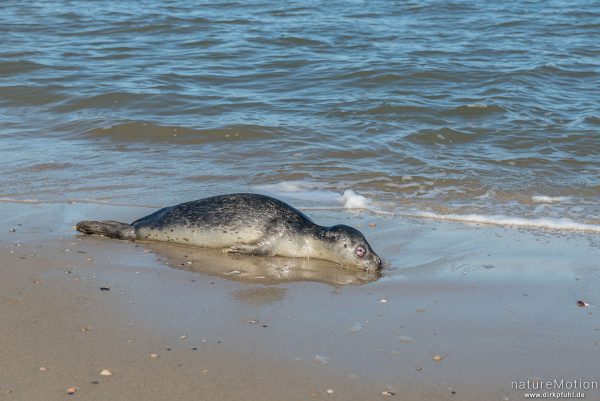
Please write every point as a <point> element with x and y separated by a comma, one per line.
<point>495,304</point>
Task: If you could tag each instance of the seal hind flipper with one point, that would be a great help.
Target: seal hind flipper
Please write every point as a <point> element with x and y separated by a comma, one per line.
<point>107,228</point>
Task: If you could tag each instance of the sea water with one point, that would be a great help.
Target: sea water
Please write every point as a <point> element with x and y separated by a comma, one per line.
<point>473,111</point>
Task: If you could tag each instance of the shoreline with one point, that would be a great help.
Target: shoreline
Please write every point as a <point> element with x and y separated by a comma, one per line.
<point>495,304</point>
<point>547,224</point>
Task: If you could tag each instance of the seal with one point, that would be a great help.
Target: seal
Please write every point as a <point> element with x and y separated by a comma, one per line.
<point>245,223</point>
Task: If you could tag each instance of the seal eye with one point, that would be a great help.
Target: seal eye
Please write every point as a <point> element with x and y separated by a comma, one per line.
<point>360,251</point>
<point>345,245</point>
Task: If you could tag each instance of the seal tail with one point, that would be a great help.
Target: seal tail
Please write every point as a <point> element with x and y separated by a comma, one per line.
<point>107,228</point>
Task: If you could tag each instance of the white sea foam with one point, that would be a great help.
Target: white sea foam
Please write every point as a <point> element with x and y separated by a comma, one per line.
<point>316,192</point>
<point>549,199</point>
<point>300,190</point>
<point>487,195</point>
<point>292,186</point>
<point>14,200</point>
<point>74,201</point>
<point>403,186</point>
<point>351,200</point>
<point>559,224</point>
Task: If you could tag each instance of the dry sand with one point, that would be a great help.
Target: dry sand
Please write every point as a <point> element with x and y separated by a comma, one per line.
<point>496,304</point>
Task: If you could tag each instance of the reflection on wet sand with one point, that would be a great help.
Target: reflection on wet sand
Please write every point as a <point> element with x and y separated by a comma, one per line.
<point>257,269</point>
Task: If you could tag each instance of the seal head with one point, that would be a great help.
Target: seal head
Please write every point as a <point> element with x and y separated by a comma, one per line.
<point>351,247</point>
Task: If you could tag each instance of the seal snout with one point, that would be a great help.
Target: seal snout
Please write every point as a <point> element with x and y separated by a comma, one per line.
<point>377,263</point>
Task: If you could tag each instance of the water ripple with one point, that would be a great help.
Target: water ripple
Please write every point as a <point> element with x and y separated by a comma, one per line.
<point>453,108</point>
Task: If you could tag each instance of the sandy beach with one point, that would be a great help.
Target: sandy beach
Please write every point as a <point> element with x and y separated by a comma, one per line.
<point>461,313</point>
<point>461,138</point>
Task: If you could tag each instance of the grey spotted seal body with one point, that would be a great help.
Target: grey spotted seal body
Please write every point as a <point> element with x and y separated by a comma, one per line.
<point>245,223</point>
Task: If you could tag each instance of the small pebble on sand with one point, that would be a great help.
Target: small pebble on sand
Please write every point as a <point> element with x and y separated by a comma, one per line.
<point>405,339</point>
<point>71,390</point>
<point>387,393</point>
<point>356,327</point>
<point>153,356</point>
<point>582,304</point>
<point>330,391</point>
<point>105,372</point>
<point>438,358</point>
<point>43,369</point>
<point>323,360</point>
<point>183,337</point>
<point>383,301</point>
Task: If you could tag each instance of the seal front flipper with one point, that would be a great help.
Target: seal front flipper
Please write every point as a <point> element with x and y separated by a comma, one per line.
<point>250,249</point>
<point>107,228</point>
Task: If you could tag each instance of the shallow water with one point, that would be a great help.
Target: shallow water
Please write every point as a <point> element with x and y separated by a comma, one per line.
<point>464,110</point>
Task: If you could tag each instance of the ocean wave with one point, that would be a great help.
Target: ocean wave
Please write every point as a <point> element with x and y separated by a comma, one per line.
<point>316,192</point>
<point>474,110</point>
<point>156,133</point>
<point>25,95</point>
<point>19,67</point>
<point>552,224</point>
<point>40,167</point>
<point>593,120</point>
<point>321,196</point>
<point>551,70</point>
<point>440,136</point>
<point>101,101</point>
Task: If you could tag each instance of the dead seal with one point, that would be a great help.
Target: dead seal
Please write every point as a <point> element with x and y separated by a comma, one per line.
<point>245,223</point>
